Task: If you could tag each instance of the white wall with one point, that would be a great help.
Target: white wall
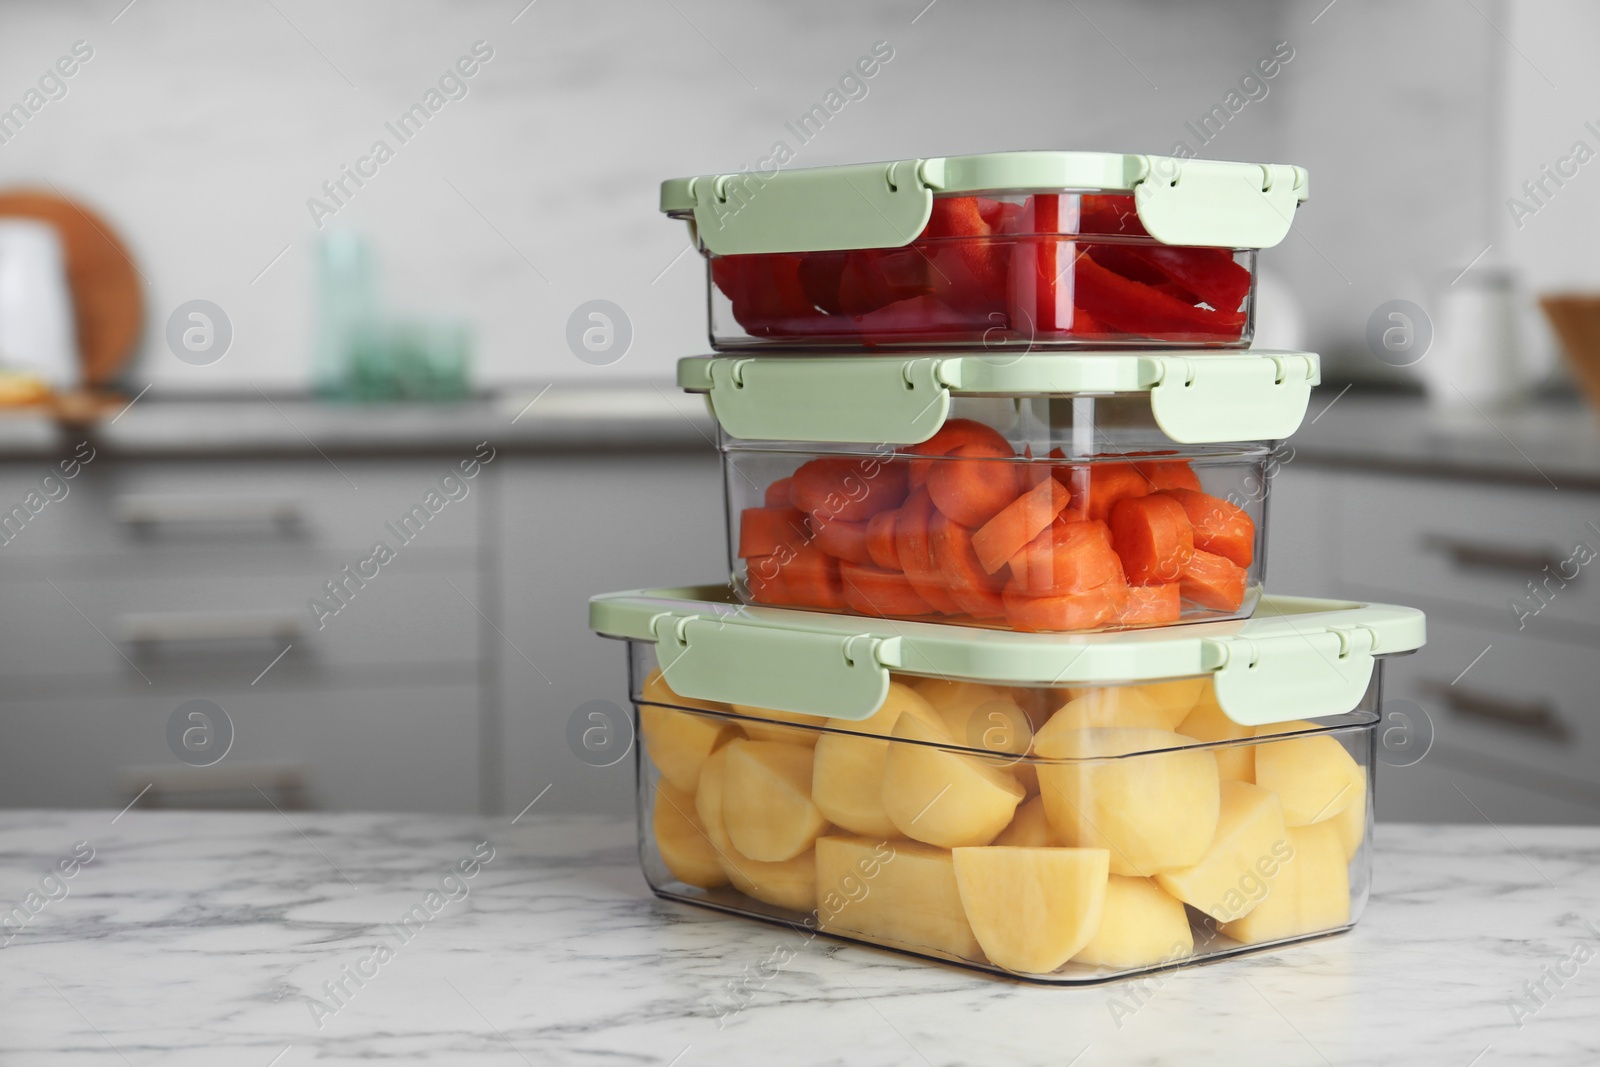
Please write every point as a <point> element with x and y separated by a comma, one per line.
<point>201,129</point>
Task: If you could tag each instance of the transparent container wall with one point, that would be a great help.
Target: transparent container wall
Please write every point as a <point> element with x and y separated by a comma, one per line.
<point>1046,270</point>
<point>1043,524</point>
<point>1060,835</point>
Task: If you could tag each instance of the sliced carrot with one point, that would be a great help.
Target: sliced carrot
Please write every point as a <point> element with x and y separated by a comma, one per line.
<point>1018,523</point>
<point>952,435</point>
<point>1213,582</point>
<point>1073,611</point>
<point>1153,537</point>
<point>811,577</point>
<point>973,483</point>
<point>881,542</point>
<point>849,488</point>
<point>874,591</point>
<point>1151,605</point>
<point>764,577</point>
<point>1170,474</point>
<point>1069,558</point>
<point>847,540</point>
<point>916,554</point>
<point>763,531</point>
<point>974,590</point>
<point>1097,487</point>
<point>777,495</point>
<point>1219,527</point>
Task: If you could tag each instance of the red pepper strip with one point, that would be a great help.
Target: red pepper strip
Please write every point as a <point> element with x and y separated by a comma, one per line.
<point>1109,213</point>
<point>1134,308</point>
<point>1209,273</point>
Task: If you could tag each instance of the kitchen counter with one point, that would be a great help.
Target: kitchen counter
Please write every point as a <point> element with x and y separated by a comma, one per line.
<point>1545,445</point>
<point>563,417</point>
<point>214,938</point>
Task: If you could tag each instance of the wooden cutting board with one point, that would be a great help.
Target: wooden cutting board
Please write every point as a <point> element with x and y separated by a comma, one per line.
<point>106,287</point>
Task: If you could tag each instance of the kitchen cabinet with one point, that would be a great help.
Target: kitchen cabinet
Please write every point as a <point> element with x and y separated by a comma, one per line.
<point>1507,691</point>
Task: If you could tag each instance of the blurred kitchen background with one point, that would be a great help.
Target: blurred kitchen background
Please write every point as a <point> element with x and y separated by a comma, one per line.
<point>209,455</point>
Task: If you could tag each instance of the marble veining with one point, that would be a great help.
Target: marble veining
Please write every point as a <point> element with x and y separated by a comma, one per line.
<point>220,938</point>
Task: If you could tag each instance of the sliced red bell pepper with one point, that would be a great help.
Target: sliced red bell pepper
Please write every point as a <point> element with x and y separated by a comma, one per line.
<point>1138,310</point>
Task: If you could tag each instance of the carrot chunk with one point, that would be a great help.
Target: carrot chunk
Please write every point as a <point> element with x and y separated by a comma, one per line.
<point>1213,582</point>
<point>916,553</point>
<point>777,494</point>
<point>1151,605</point>
<point>973,483</point>
<point>881,541</point>
<point>1097,488</point>
<point>1072,611</point>
<point>849,488</point>
<point>884,593</point>
<point>952,435</point>
<point>1067,558</point>
<point>974,590</point>
<point>844,540</point>
<point>1220,527</point>
<point>763,531</point>
<point>1018,523</point>
<point>1153,537</point>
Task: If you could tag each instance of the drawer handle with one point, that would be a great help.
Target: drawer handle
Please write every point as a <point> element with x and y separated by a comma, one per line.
<point>1480,555</point>
<point>1531,716</point>
<point>189,627</point>
<point>144,510</point>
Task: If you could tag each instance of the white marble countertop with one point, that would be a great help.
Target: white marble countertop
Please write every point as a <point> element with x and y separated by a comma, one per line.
<point>210,939</point>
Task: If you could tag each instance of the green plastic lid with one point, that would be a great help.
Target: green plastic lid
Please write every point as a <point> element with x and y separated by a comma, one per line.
<point>1296,658</point>
<point>886,205</point>
<point>903,400</point>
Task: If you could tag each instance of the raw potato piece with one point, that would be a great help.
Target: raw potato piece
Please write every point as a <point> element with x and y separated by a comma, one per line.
<point>1351,823</point>
<point>941,797</point>
<point>794,734</point>
<point>1032,909</point>
<point>1130,706</point>
<point>1175,698</point>
<point>912,901</point>
<point>1030,827</point>
<point>1154,811</point>
<point>767,800</point>
<point>1140,925</point>
<point>1227,883</point>
<point>678,742</point>
<point>1310,893</point>
<point>1208,722</point>
<point>847,775</point>
<point>791,884</point>
<point>1315,776</point>
<point>683,843</point>
<point>955,701</point>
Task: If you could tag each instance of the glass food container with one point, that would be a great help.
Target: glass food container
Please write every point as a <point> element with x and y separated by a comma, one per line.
<point>1065,810</point>
<point>1061,492</point>
<point>1008,250</point>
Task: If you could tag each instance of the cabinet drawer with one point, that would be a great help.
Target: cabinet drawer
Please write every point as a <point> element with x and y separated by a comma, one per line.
<point>1475,547</point>
<point>1526,704</point>
<point>149,511</point>
<point>226,628</point>
<point>411,749</point>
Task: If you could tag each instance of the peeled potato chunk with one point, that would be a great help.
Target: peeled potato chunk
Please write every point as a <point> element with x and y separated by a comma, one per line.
<point>1032,909</point>
<point>1106,706</point>
<point>766,798</point>
<point>682,841</point>
<point>1208,722</point>
<point>955,701</point>
<point>1030,827</point>
<point>678,742</point>
<point>788,727</point>
<point>1140,925</point>
<point>791,884</point>
<point>1315,776</point>
<point>941,797</point>
<point>847,774</point>
<point>1310,893</point>
<point>1231,877</point>
<point>1351,823</point>
<point>898,892</point>
<point>1154,811</point>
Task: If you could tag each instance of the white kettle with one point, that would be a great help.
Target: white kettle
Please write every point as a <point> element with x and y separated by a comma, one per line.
<point>37,334</point>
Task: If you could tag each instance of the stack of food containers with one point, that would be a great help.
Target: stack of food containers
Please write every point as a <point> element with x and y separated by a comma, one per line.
<point>989,431</point>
